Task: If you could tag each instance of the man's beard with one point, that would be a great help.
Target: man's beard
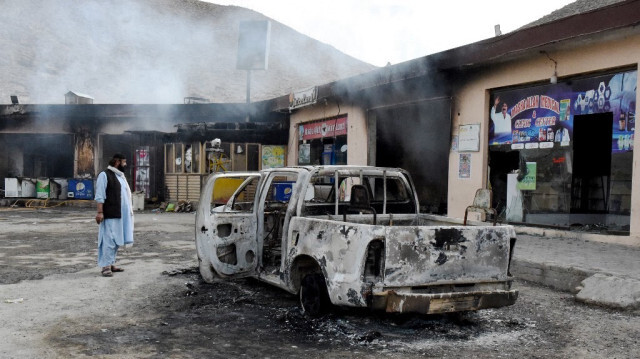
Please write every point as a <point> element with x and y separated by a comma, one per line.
<point>120,168</point>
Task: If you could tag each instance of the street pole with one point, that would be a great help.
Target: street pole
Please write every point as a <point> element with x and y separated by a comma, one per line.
<point>248,96</point>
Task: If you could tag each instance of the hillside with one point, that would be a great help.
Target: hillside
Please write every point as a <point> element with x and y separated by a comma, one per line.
<point>150,51</point>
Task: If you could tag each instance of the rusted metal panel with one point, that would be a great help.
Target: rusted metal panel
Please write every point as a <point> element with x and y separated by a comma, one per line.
<point>419,255</point>
<point>340,249</point>
<point>394,302</point>
<point>84,156</point>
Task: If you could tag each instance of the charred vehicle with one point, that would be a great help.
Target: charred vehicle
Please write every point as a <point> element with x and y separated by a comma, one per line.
<point>349,236</point>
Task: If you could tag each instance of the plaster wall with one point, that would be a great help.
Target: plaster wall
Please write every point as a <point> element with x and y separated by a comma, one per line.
<point>357,148</point>
<point>471,105</point>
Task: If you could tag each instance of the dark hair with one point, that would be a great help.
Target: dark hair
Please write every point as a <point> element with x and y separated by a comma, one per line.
<point>117,156</point>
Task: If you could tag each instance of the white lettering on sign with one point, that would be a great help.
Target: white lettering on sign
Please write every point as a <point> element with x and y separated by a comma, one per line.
<point>303,98</point>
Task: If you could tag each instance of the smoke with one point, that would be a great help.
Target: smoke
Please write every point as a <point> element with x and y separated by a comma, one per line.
<point>150,51</point>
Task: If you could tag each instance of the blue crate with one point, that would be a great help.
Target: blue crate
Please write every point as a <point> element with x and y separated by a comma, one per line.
<point>282,190</point>
<point>80,189</point>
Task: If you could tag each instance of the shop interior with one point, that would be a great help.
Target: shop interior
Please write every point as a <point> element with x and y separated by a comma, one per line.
<point>585,186</point>
<point>416,137</point>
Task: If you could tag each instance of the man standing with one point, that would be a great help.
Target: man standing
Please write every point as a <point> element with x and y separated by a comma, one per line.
<point>115,214</point>
<point>501,120</point>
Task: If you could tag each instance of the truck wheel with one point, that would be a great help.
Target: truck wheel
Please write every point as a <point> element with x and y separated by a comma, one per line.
<point>314,297</point>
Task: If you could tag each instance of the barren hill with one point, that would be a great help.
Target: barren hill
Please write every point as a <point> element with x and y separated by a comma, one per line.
<point>150,51</point>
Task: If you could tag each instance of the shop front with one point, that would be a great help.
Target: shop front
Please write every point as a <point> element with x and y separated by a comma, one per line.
<point>562,154</point>
<point>323,142</point>
<point>188,164</point>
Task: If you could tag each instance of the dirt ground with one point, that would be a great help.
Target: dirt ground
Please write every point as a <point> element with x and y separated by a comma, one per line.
<point>55,304</point>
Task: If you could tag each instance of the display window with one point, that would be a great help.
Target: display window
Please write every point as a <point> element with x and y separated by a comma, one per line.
<point>561,154</point>
<point>183,158</point>
<point>323,142</point>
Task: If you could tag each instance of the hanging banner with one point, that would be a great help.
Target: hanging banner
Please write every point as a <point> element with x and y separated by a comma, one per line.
<point>328,128</point>
<point>542,116</point>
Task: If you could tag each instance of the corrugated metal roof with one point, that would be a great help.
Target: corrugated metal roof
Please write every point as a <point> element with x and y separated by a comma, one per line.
<point>575,8</point>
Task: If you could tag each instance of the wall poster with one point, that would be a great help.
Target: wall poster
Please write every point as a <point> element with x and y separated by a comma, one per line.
<point>304,154</point>
<point>469,138</point>
<point>542,116</point>
<point>273,156</point>
<point>464,167</point>
<point>142,171</point>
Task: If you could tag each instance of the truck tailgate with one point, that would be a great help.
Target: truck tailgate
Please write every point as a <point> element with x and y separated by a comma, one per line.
<point>420,255</point>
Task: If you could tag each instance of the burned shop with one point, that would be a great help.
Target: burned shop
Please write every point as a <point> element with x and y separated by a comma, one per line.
<point>55,151</point>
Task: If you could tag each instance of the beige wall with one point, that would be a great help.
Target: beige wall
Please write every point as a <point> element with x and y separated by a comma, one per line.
<point>356,129</point>
<point>471,105</point>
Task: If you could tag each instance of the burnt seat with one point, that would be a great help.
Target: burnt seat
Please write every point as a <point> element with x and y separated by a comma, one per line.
<point>359,202</point>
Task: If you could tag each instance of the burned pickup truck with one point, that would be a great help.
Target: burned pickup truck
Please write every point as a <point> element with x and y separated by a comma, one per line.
<point>349,236</point>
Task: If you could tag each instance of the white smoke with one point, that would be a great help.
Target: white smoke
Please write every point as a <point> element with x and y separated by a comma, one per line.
<point>149,51</point>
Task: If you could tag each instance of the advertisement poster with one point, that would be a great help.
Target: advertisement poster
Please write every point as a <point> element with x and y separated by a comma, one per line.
<point>542,116</point>
<point>304,154</point>
<point>464,169</point>
<point>142,171</point>
<point>273,156</point>
<point>528,183</point>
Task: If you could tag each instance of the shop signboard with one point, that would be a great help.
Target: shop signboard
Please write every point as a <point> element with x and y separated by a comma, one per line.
<point>542,116</point>
<point>328,128</point>
<point>306,97</point>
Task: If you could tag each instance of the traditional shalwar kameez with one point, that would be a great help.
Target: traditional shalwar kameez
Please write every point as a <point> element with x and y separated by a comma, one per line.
<point>114,232</point>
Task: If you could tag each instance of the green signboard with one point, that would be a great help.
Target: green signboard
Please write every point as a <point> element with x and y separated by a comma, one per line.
<point>528,183</point>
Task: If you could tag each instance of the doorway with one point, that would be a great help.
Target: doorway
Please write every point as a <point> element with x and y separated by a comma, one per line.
<point>592,143</point>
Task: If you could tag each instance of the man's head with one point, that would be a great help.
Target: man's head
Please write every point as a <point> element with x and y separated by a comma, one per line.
<point>118,161</point>
<point>504,108</point>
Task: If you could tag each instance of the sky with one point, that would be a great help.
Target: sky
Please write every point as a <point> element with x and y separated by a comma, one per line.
<point>393,31</point>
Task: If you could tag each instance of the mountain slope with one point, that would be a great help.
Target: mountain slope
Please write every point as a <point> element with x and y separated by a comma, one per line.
<point>150,51</point>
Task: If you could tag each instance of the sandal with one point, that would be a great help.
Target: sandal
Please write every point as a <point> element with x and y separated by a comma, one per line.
<point>106,272</point>
<point>116,269</point>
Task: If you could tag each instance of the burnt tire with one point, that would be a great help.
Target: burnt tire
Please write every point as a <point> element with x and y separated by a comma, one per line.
<point>206,272</point>
<point>314,297</point>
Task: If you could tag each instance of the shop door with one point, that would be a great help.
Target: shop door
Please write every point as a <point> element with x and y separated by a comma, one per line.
<point>592,143</point>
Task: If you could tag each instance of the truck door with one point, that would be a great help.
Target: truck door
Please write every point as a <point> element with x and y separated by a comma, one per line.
<point>226,225</point>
